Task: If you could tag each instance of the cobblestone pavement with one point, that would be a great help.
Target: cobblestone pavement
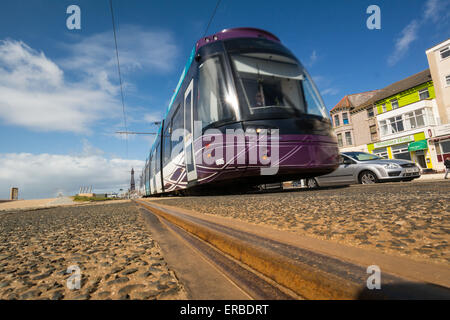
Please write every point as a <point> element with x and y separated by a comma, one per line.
<point>409,219</point>
<point>109,243</point>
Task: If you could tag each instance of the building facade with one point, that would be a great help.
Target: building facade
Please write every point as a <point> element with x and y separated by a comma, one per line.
<point>407,114</point>
<point>351,122</point>
<point>409,119</point>
<point>439,61</point>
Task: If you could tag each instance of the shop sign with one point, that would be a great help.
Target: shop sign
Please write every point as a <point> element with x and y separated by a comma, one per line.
<point>393,141</point>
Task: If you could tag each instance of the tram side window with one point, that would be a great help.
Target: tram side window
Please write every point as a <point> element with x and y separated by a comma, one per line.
<point>166,146</point>
<point>145,172</point>
<point>177,131</point>
<point>212,105</point>
<point>152,165</point>
<point>158,158</point>
<point>149,172</point>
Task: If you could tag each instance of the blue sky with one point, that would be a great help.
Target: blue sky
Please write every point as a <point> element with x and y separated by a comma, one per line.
<point>59,94</point>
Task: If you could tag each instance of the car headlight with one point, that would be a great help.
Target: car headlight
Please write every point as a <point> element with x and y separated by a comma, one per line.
<point>391,166</point>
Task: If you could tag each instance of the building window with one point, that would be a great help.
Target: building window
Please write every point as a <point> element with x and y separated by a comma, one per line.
<point>348,138</point>
<point>383,127</point>
<point>396,124</point>
<point>373,132</point>
<point>401,152</point>
<point>339,137</point>
<point>381,152</point>
<point>336,120</point>
<point>445,53</point>
<point>383,107</point>
<point>345,118</point>
<point>424,94</point>
<point>394,104</point>
<point>370,112</point>
<point>447,80</point>
<point>415,119</point>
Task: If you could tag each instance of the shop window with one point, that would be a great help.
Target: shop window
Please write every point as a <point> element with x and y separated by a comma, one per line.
<point>345,118</point>
<point>381,152</point>
<point>348,138</point>
<point>339,137</point>
<point>445,146</point>
<point>401,152</point>
<point>424,94</point>
<point>394,104</point>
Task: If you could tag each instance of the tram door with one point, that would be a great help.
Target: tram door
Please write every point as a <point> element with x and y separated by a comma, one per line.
<point>188,133</point>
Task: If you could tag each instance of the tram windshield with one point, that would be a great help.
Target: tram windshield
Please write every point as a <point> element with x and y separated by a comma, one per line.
<point>269,83</point>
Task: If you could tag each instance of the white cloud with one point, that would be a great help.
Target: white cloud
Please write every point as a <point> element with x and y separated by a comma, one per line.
<point>313,58</point>
<point>330,91</point>
<point>432,8</point>
<point>90,150</point>
<point>153,117</point>
<point>44,175</point>
<point>433,11</point>
<point>34,93</point>
<point>73,93</point>
<point>139,49</point>
<point>408,35</point>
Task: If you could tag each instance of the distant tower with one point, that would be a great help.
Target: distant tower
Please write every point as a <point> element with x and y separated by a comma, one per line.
<point>132,186</point>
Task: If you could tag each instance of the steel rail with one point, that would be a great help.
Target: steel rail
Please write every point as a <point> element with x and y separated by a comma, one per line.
<point>308,274</point>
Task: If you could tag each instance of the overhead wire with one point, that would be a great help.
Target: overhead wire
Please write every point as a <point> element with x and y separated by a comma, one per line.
<point>120,75</point>
<point>212,17</point>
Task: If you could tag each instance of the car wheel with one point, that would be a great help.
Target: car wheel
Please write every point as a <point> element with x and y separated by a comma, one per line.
<point>368,177</point>
<point>311,183</point>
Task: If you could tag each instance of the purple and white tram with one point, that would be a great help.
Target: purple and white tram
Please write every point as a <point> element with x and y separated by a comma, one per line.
<point>241,80</point>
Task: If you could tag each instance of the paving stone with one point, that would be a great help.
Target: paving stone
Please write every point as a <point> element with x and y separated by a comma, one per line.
<point>57,295</point>
<point>127,289</point>
<point>43,244</point>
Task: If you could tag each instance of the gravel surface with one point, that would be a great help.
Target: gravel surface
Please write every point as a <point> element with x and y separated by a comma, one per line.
<point>109,243</point>
<point>410,219</point>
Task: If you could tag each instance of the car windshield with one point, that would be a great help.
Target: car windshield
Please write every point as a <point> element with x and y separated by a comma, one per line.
<point>274,83</point>
<point>362,156</point>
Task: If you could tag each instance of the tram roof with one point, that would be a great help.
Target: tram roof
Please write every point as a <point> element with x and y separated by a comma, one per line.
<point>236,33</point>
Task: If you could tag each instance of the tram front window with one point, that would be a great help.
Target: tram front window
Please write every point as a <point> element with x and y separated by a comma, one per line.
<point>270,83</point>
<point>213,105</point>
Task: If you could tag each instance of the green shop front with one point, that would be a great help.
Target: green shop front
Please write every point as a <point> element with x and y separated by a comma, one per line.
<point>412,147</point>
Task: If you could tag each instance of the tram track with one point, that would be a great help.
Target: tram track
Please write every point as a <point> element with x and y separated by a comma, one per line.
<point>268,269</point>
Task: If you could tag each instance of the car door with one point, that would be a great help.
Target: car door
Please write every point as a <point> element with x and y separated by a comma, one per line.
<point>342,175</point>
<point>348,168</point>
